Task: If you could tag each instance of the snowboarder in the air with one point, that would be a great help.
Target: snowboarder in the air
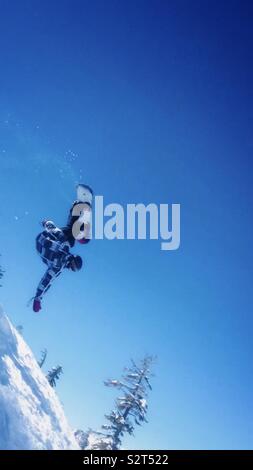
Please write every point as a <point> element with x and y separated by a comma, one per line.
<point>53,244</point>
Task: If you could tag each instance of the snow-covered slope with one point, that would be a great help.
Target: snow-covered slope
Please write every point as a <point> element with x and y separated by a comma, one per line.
<point>31,416</point>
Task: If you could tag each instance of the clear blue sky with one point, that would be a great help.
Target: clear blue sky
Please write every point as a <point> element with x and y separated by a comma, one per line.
<point>155,100</point>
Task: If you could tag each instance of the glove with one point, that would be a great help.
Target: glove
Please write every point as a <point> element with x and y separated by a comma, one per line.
<point>48,224</point>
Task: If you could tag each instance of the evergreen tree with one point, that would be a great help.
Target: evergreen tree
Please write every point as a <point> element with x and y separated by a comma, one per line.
<point>53,375</point>
<point>99,441</point>
<point>20,329</point>
<point>1,273</point>
<point>130,408</point>
<point>93,440</point>
<point>82,438</point>
<point>43,358</point>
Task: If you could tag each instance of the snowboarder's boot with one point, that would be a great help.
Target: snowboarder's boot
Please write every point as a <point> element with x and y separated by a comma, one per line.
<point>36,305</point>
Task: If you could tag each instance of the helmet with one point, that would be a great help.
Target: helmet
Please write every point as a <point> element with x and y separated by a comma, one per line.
<point>76,263</point>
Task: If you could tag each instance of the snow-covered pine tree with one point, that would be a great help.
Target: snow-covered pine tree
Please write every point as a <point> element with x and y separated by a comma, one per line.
<point>89,440</point>
<point>53,375</point>
<point>93,440</point>
<point>131,408</point>
<point>82,438</point>
<point>43,358</point>
<point>99,441</point>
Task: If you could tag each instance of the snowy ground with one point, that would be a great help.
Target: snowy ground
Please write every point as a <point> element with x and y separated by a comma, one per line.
<point>31,415</point>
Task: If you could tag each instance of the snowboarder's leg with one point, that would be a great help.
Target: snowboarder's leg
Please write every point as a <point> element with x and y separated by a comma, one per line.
<point>44,285</point>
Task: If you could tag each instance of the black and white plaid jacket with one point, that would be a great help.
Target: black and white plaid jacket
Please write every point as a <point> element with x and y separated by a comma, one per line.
<point>53,248</point>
